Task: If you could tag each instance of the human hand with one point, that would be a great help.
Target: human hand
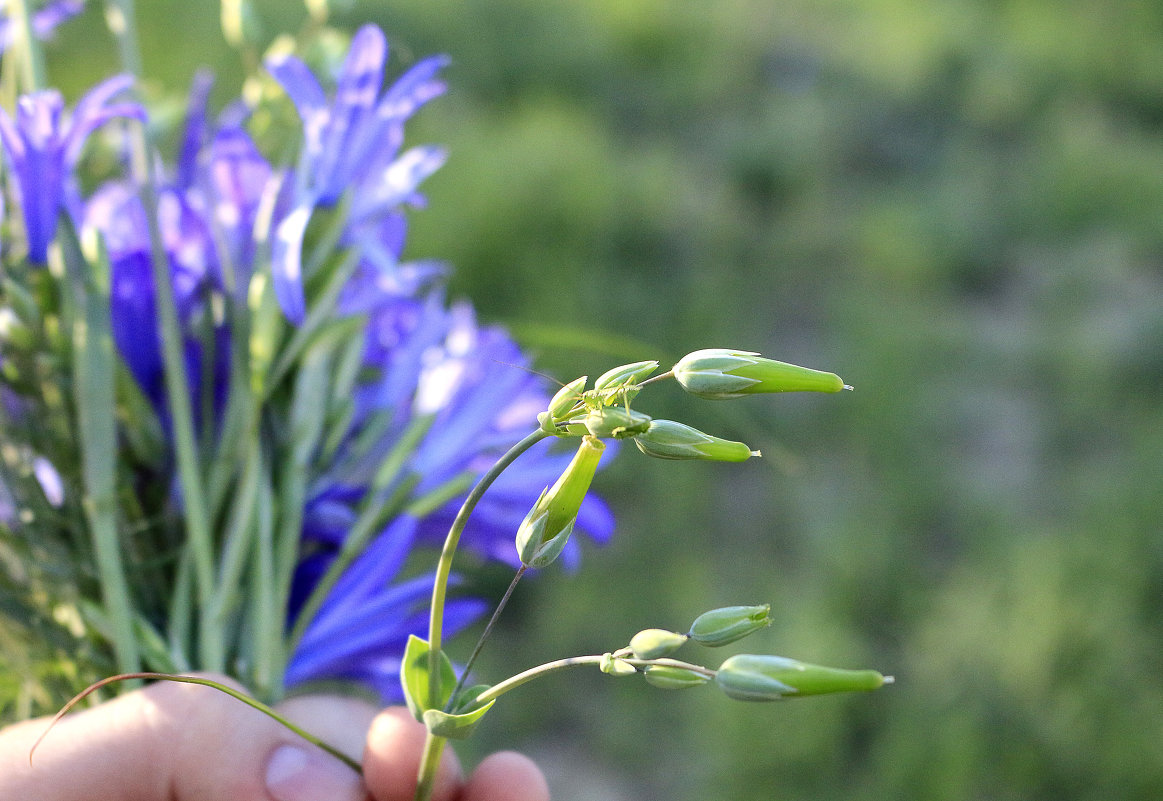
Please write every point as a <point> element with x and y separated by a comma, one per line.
<point>184,742</point>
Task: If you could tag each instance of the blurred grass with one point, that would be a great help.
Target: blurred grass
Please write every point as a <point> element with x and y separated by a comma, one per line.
<point>953,205</point>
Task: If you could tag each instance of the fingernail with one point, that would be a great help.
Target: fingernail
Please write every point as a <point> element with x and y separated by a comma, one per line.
<point>295,773</point>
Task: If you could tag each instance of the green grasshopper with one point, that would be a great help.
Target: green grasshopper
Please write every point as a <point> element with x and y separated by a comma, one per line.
<point>603,411</point>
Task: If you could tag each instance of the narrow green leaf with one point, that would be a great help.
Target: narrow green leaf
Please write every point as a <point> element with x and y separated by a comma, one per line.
<point>94,366</point>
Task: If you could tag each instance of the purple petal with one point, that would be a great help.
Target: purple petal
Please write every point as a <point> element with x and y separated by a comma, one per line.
<point>355,97</point>
<point>287,252</point>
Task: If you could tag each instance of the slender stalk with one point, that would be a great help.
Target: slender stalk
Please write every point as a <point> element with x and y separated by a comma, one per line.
<point>654,379</point>
<point>484,637</point>
<point>321,311</point>
<point>376,511</point>
<point>198,529</point>
<point>93,365</point>
<point>32,64</point>
<point>224,688</point>
<point>121,19</point>
<point>526,676</point>
<point>433,744</point>
<point>429,762</point>
<point>444,565</point>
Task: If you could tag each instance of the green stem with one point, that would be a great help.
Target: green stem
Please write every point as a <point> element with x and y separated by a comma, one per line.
<point>33,61</point>
<point>224,688</point>
<point>654,379</point>
<point>122,21</point>
<point>484,637</point>
<point>526,676</point>
<point>429,762</point>
<point>198,530</point>
<point>321,311</point>
<point>377,510</point>
<point>93,365</point>
<point>444,565</point>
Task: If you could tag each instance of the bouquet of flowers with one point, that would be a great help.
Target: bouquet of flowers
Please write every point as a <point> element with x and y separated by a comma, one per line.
<point>244,435</point>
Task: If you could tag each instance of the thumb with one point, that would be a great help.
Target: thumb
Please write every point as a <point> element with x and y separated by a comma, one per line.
<point>183,742</point>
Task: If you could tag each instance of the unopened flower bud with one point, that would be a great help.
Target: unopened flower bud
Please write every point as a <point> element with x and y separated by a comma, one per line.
<point>623,378</point>
<point>616,422</point>
<point>670,677</point>
<point>546,529</point>
<point>564,402</point>
<point>761,677</point>
<point>653,643</point>
<point>666,439</point>
<point>728,624</point>
<point>616,667</point>
<point>718,373</point>
<point>567,397</point>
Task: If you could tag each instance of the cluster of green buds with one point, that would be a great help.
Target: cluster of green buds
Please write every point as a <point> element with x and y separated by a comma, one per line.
<point>434,693</point>
<point>744,677</point>
<point>604,412</point>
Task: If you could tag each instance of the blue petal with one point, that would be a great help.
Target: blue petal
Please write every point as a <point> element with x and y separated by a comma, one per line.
<point>287,255</point>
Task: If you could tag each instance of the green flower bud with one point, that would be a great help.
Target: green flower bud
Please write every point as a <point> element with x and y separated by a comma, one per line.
<point>567,397</point>
<point>671,677</point>
<point>616,422</point>
<point>616,667</point>
<point>752,677</point>
<point>728,624</point>
<point>718,373</point>
<point>626,375</point>
<point>666,439</point>
<point>546,529</point>
<point>653,643</point>
<point>615,385</point>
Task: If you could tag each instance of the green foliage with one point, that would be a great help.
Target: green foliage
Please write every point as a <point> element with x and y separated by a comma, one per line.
<point>956,205</point>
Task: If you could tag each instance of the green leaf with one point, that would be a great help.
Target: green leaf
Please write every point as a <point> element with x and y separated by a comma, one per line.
<point>455,726</point>
<point>414,678</point>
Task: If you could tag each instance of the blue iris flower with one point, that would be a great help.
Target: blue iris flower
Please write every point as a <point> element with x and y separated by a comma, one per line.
<point>43,149</point>
<point>456,390</point>
<point>351,143</point>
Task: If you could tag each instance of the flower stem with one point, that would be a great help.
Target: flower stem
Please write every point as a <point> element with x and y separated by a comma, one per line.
<point>204,682</point>
<point>429,762</point>
<point>444,565</point>
<point>122,21</point>
<point>33,59</point>
<point>434,744</point>
<point>93,366</point>
<point>389,494</point>
<point>484,637</point>
<point>526,676</point>
<point>194,511</point>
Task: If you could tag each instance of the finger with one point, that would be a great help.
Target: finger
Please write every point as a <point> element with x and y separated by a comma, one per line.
<point>506,776</point>
<point>392,759</point>
<point>169,742</point>
<point>339,721</point>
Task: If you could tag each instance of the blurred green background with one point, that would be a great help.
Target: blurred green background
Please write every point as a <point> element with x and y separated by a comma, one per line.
<point>953,204</point>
